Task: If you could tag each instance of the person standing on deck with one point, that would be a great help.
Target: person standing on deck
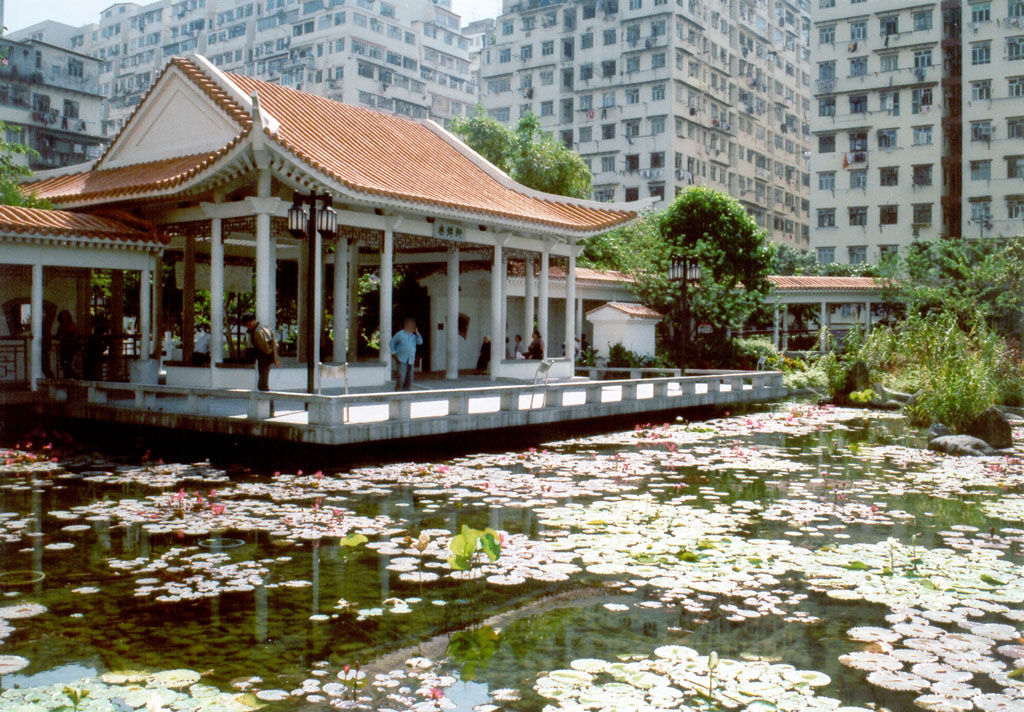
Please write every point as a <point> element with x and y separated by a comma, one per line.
<point>264,345</point>
<point>403,348</point>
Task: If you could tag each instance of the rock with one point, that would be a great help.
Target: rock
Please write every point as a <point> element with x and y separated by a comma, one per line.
<point>938,430</point>
<point>858,378</point>
<point>882,400</point>
<point>891,395</point>
<point>992,427</point>
<point>961,445</point>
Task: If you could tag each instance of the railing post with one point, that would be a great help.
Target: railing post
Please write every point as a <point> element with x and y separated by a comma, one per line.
<point>594,394</point>
<point>95,395</point>
<point>140,398</point>
<point>458,404</point>
<point>628,392</point>
<point>509,401</point>
<point>399,408</point>
<point>553,397</point>
<point>259,408</point>
<point>192,403</point>
<point>660,389</point>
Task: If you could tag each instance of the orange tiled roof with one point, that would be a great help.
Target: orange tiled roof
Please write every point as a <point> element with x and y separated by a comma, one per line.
<point>394,157</point>
<point>60,223</point>
<point>517,268</point>
<point>120,183</point>
<point>367,151</point>
<point>635,310</point>
<point>813,283</point>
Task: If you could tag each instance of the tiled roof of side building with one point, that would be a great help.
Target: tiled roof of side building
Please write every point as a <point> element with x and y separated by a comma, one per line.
<point>635,310</point>
<point>368,152</point>
<point>390,156</point>
<point>61,223</point>
<point>814,283</point>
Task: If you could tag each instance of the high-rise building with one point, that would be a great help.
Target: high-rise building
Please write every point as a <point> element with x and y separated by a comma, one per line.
<point>407,57</point>
<point>918,124</point>
<point>661,94</point>
<point>50,101</point>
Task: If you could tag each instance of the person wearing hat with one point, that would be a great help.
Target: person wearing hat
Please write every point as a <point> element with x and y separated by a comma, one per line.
<point>264,345</point>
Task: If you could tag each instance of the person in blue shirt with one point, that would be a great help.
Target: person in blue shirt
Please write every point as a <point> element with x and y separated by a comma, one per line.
<point>403,348</point>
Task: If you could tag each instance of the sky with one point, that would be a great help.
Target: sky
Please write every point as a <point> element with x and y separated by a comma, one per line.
<point>22,13</point>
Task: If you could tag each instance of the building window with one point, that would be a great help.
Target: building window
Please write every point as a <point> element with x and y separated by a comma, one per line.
<point>981,210</point>
<point>1015,48</point>
<point>1015,87</point>
<point>827,70</point>
<point>826,217</point>
<point>608,68</point>
<point>981,90</point>
<point>1017,8</point>
<point>981,170</point>
<point>632,195</point>
<point>921,100</point>
<point>890,101</point>
<point>608,99</point>
<point>547,108</point>
<point>858,31</point>
<point>508,27</point>
<point>657,125</point>
<point>887,253</point>
<point>505,56</point>
<point>922,20</point>
<point>981,130</point>
<point>827,144</point>
<point>827,181</point>
<point>858,254</point>
<point>608,37</point>
<point>526,52</point>
<point>1015,166</point>
<point>547,48</point>
<point>859,104</point>
<point>1015,207</point>
<point>888,214</point>
<point>859,216</point>
<point>922,135</point>
<point>890,62</point>
<point>981,12</point>
<point>604,195</point>
<point>922,175</point>
<point>858,179</point>
<point>827,35</point>
<point>70,109</point>
<point>922,213</point>
<point>827,106</point>
<point>981,52</point>
<point>890,25</point>
<point>858,140</point>
<point>631,128</point>
<point>607,164</point>
<point>889,176</point>
<point>858,66</point>
<point>1015,127</point>
<point>922,58</point>
<point>633,162</point>
<point>632,96</point>
<point>607,131</point>
<point>887,138</point>
<point>826,255</point>
<point>658,92</point>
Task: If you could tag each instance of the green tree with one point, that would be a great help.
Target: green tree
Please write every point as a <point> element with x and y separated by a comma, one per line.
<point>13,168</point>
<point>527,154</point>
<point>706,227</point>
<point>978,281</point>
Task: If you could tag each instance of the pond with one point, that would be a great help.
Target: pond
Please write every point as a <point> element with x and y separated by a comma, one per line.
<point>790,558</point>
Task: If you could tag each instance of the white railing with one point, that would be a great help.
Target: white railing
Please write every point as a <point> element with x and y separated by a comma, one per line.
<point>595,397</point>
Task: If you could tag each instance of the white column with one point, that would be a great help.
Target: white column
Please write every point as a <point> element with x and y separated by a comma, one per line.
<point>216,293</point>
<point>775,327</point>
<point>266,259</point>
<point>340,300</point>
<point>36,316</point>
<point>570,303</point>
<point>497,332</point>
<point>318,295</point>
<point>353,301</point>
<point>272,292</point>
<point>452,323</point>
<point>386,285</point>
<point>542,300</point>
<point>504,302</point>
<point>528,315</point>
<point>579,317</point>
<point>822,322</point>
<point>302,274</point>
<point>145,312</point>
<point>867,317</point>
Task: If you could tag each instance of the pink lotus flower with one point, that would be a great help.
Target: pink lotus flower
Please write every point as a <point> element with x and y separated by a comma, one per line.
<point>436,693</point>
<point>217,508</point>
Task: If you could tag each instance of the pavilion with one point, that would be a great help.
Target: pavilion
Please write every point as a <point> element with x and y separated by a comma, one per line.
<point>213,161</point>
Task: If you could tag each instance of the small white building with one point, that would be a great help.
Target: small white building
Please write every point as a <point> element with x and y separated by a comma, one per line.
<point>632,325</point>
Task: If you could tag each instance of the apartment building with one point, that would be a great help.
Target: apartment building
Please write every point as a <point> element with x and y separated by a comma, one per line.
<point>657,95</point>
<point>407,57</point>
<point>918,121</point>
<point>50,101</point>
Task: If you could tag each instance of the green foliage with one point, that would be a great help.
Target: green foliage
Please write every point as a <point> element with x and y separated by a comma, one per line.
<point>465,545</point>
<point>789,260</point>
<point>976,280</point>
<point>473,649</point>
<point>13,169</point>
<point>862,397</point>
<point>621,357</point>
<point>527,154</point>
